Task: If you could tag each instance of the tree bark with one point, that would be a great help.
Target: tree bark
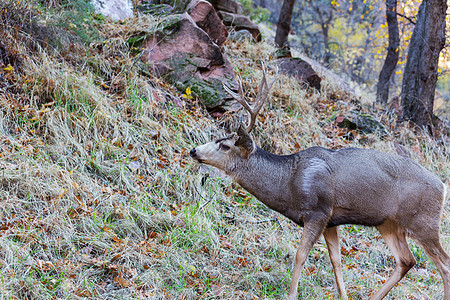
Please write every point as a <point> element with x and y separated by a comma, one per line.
<point>324,20</point>
<point>421,69</point>
<point>284,24</point>
<point>391,59</point>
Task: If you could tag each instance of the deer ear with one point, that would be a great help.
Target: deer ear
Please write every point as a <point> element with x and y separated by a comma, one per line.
<point>244,141</point>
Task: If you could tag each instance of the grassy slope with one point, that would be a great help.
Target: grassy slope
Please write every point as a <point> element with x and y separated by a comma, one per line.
<point>100,199</point>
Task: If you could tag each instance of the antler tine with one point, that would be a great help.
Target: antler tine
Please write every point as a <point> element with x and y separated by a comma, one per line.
<point>238,97</point>
<point>261,97</point>
<point>262,92</point>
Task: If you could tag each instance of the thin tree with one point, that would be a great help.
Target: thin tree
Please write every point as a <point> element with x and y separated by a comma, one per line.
<point>421,69</point>
<point>391,59</point>
<point>284,24</point>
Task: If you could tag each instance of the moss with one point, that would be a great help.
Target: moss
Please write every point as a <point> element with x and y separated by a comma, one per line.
<point>178,5</point>
<point>210,92</point>
<point>163,29</point>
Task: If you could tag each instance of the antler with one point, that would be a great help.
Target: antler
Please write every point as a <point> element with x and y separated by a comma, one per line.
<point>261,97</point>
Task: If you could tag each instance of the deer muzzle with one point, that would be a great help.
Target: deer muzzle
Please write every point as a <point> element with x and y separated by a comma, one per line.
<point>193,154</point>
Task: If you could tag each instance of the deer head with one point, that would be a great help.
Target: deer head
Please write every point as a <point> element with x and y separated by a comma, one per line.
<point>225,153</point>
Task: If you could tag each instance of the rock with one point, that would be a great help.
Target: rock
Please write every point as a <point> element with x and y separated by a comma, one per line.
<point>239,22</point>
<point>300,69</point>
<point>159,6</point>
<point>115,9</point>
<point>185,54</point>
<point>241,35</point>
<point>363,122</point>
<point>284,52</point>
<point>231,6</point>
<point>205,16</point>
<point>155,9</point>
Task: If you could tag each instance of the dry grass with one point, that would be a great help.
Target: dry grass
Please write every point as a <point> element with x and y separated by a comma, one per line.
<point>99,198</point>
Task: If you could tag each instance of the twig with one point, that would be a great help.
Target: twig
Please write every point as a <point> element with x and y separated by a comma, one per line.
<point>407,18</point>
<point>266,220</point>
<point>207,201</point>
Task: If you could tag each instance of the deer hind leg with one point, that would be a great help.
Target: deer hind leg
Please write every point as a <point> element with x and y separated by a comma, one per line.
<point>395,237</point>
<point>433,248</point>
<point>331,236</point>
<point>311,233</point>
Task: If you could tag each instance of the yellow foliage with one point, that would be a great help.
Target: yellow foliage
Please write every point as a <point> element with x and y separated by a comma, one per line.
<point>188,93</point>
<point>8,68</point>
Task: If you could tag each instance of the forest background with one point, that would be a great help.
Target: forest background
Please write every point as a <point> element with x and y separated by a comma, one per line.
<point>351,38</point>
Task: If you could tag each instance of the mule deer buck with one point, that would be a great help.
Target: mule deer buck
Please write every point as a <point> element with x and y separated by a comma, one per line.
<point>320,189</point>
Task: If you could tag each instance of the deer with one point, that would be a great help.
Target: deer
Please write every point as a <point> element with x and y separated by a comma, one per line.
<point>320,189</point>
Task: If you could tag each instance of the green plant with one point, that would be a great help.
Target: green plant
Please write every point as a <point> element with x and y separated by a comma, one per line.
<point>78,16</point>
<point>256,13</point>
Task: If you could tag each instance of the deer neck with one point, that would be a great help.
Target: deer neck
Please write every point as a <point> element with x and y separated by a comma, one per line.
<point>264,175</point>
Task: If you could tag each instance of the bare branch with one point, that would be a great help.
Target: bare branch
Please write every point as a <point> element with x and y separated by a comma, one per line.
<point>407,18</point>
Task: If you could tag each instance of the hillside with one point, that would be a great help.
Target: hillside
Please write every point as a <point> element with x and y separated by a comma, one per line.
<point>100,199</point>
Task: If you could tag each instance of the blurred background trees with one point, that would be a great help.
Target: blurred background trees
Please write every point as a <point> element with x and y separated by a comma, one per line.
<point>284,24</point>
<point>392,52</point>
<point>366,43</point>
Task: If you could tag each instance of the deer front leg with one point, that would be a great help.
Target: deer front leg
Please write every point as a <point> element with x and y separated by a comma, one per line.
<point>331,236</point>
<point>311,233</point>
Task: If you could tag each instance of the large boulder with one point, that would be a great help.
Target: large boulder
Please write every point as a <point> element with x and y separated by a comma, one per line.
<point>299,69</point>
<point>115,9</point>
<point>205,16</point>
<point>240,22</point>
<point>185,54</point>
<point>231,6</point>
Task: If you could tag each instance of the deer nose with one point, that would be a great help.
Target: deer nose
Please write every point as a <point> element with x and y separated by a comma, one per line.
<point>192,153</point>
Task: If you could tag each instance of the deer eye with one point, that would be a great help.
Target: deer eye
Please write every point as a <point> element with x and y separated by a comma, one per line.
<point>224,147</point>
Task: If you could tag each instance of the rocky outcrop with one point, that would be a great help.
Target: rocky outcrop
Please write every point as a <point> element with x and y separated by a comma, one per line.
<point>299,69</point>
<point>115,9</point>
<point>185,54</point>
<point>185,49</point>
<point>240,22</point>
<point>240,35</point>
<point>205,16</point>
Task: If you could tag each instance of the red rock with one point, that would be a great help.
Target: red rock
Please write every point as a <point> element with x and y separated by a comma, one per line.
<point>240,22</point>
<point>187,38</point>
<point>301,70</point>
<point>230,6</point>
<point>185,54</point>
<point>205,16</point>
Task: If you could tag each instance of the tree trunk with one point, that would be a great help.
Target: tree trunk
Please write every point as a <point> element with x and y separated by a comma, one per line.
<point>284,24</point>
<point>421,69</point>
<point>392,53</point>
